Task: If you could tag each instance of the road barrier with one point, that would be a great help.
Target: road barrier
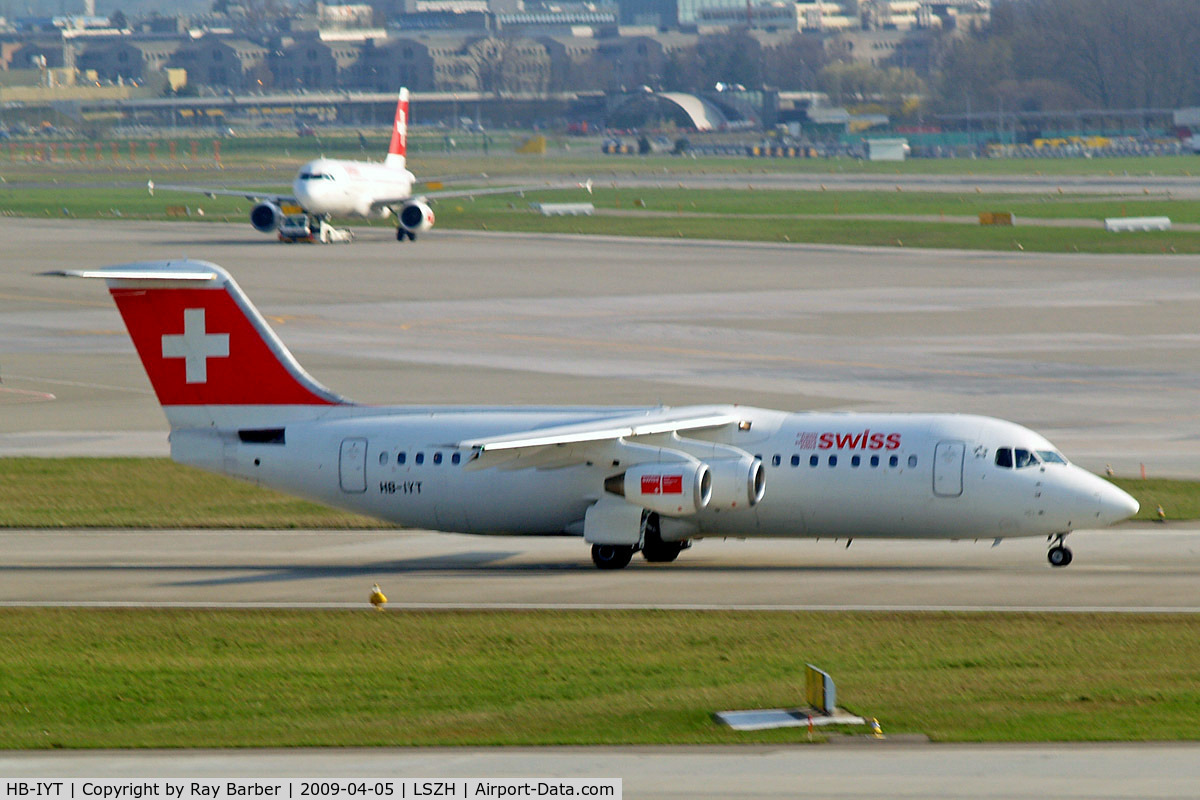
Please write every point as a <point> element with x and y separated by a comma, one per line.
<point>564,209</point>
<point>1126,224</point>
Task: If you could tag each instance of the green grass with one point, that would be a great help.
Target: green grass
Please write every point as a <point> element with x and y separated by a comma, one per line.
<point>1179,499</point>
<point>128,492</point>
<point>746,201</point>
<point>877,232</point>
<point>91,678</point>
<point>91,203</point>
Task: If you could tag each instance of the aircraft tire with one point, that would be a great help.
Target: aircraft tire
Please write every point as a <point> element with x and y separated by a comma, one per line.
<point>401,234</point>
<point>611,556</point>
<point>662,552</point>
<point>1059,556</point>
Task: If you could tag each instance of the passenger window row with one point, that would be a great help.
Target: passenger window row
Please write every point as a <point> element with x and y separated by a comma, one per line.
<point>419,458</point>
<point>855,461</point>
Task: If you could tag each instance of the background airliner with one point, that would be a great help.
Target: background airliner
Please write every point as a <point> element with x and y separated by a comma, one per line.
<point>332,187</point>
<point>624,479</point>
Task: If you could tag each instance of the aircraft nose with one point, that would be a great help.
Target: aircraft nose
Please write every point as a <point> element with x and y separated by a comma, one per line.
<point>1116,504</point>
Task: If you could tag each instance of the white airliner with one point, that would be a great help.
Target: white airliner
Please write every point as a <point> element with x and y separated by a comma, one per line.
<point>624,479</point>
<point>331,187</point>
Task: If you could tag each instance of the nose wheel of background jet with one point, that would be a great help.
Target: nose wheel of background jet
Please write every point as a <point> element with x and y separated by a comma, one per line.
<point>1059,555</point>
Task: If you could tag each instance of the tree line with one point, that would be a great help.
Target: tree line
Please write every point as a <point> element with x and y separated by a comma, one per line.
<point>1034,55</point>
<point>1051,55</point>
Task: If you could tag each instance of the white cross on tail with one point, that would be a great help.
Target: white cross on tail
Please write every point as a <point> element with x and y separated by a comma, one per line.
<point>195,346</point>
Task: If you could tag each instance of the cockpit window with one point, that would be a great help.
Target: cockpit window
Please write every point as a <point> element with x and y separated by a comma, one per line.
<point>1010,457</point>
<point>315,176</point>
<point>1025,458</point>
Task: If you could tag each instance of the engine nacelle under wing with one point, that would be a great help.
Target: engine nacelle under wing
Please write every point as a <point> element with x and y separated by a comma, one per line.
<point>670,488</point>
<point>737,482</point>
<point>416,216</point>
<point>266,216</point>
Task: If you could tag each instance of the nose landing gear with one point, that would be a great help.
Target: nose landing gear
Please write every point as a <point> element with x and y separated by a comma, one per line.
<point>1059,555</point>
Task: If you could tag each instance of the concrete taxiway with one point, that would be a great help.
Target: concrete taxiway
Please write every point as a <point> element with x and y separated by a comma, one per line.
<point>1101,354</point>
<point>1143,568</point>
<point>867,769</point>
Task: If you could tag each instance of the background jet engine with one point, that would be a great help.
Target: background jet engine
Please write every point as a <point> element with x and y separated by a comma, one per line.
<point>266,216</point>
<point>416,216</point>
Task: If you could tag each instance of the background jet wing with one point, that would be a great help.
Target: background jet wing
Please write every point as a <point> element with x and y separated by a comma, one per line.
<point>571,444</point>
<point>478,192</point>
<point>250,194</point>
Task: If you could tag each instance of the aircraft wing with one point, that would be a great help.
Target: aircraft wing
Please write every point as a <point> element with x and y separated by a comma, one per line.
<point>478,192</point>
<point>569,444</point>
<point>252,195</point>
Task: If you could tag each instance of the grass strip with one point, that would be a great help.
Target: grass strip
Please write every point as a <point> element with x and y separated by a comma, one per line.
<point>129,493</point>
<point>101,201</point>
<point>873,233</point>
<point>132,493</point>
<point>1179,499</point>
<point>175,678</point>
<point>757,201</point>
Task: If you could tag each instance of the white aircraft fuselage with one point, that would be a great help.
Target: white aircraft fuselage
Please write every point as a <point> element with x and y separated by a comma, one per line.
<point>333,187</point>
<point>826,474</point>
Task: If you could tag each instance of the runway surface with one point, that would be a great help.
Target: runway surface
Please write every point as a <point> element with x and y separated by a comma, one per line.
<point>1101,354</point>
<point>1139,568</point>
<point>885,769</point>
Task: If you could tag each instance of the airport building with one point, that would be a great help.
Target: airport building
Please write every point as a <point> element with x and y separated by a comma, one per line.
<point>496,47</point>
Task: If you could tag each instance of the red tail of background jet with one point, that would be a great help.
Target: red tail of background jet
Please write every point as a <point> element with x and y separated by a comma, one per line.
<point>398,147</point>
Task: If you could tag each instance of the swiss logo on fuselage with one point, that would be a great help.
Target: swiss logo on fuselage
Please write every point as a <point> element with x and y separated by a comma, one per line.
<point>859,440</point>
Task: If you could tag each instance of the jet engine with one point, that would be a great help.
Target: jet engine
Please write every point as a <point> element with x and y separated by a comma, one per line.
<point>737,482</point>
<point>266,216</point>
<point>416,217</point>
<point>674,488</point>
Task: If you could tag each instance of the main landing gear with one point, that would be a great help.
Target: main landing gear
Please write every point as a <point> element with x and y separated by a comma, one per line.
<point>612,556</point>
<point>402,233</point>
<point>654,549</point>
<point>1059,555</point>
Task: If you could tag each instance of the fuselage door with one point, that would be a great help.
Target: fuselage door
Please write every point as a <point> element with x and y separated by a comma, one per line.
<point>948,469</point>
<point>352,465</point>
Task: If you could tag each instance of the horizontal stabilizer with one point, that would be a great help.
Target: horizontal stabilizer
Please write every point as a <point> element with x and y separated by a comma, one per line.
<point>139,272</point>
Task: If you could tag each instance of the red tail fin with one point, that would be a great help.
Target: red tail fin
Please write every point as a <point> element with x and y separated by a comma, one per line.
<point>398,147</point>
<point>202,342</point>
